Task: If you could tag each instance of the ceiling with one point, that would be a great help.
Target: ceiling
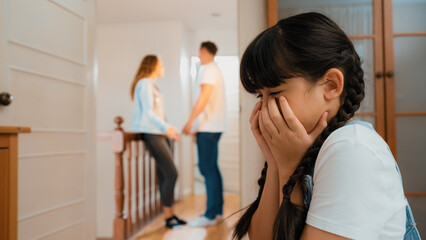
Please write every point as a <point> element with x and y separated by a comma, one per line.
<point>197,15</point>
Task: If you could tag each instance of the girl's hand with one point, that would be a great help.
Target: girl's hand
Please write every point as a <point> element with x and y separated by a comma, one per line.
<point>254,122</point>
<point>285,135</point>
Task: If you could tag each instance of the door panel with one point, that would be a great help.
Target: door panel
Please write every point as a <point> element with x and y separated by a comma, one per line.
<point>409,16</point>
<point>353,16</point>
<point>405,45</point>
<point>47,64</point>
<point>410,74</point>
<point>411,139</point>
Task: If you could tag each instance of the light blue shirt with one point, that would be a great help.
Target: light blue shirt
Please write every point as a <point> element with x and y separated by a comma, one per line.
<point>148,109</point>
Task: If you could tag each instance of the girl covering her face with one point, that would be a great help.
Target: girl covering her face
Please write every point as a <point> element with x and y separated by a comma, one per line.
<point>310,83</point>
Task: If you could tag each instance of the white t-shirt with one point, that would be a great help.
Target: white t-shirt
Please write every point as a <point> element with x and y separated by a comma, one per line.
<point>213,118</point>
<point>357,190</point>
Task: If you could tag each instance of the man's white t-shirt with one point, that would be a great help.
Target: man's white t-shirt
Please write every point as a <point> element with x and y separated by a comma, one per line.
<point>213,118</point>
<point>357,190</point>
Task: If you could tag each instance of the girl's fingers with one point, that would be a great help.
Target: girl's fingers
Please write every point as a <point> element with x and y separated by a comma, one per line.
<point>262,128</point>
<point>261,140</point>
<point>321,125</point>
<point>254,122</point>
<point>255,109</point>
<point>276,115</point>
<point>292,121</point>
<point>255,126</point>
<point>267,122</point>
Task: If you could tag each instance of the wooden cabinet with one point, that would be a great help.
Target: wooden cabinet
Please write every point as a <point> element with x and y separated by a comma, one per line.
<point>9,181</point>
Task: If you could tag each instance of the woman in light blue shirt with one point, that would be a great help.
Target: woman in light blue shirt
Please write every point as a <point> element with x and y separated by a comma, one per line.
<point>149,118</point>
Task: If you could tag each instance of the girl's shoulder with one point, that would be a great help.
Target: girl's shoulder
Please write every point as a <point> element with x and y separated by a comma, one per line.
<point>358,145</point>
<point>358,133</point>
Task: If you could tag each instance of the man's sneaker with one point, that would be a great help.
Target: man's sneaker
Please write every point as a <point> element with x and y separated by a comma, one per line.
<point>202,222</point>
<point>174,222</point>
<point>219,217</point>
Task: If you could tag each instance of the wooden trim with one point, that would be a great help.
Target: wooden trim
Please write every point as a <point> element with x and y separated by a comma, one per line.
<point>129,187</point>
<point>362,36</point>
<point>415,194</point>
<point>389,81</point>
<point>379,87</point>
<point>410,34</point>
<point>272,12</point>
<point>4,193</point>
<point>406,114</point>
<point>13,186</point>
<point>14,129</point>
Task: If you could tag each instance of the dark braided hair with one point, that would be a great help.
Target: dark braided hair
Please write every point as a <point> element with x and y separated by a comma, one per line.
<point>305,45</point>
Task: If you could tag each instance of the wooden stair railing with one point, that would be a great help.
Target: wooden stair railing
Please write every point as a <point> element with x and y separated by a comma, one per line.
<point>146,202</point>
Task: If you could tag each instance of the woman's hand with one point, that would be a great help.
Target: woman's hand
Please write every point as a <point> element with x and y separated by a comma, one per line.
<point>254,122</point>
<point>285,135</point>
<point>172,133</point>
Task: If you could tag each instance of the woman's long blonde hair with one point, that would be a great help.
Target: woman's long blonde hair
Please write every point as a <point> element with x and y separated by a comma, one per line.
<point>147,66</point>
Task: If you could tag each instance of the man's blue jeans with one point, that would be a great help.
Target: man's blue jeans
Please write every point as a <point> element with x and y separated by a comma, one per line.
<point>207,145</point>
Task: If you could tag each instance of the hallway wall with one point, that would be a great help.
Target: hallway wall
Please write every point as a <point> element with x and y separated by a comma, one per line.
<point>251,21</point>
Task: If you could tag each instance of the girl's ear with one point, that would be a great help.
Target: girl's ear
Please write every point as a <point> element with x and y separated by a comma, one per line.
<point>333,84</point>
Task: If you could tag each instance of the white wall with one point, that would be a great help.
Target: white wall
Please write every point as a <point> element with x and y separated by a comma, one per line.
<point>120,50</point>
<point>226,40</point>
<point>252,19</point>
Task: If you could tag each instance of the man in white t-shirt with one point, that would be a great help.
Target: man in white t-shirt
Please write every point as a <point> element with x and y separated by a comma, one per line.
<point>209,111</point>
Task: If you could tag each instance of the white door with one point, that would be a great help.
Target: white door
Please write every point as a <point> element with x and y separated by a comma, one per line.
<point>47,64</point>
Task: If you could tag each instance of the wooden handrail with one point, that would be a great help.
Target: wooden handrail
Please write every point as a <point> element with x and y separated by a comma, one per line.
<point>129,221</point>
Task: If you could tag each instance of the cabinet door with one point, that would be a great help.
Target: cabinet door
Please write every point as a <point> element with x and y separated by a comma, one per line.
<point>4,196</point>
<point>405,74</point>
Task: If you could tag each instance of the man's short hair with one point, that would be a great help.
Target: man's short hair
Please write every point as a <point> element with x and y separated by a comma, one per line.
<point>210,47</point>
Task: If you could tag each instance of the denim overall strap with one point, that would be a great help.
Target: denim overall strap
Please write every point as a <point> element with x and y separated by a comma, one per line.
<point>411,232</point>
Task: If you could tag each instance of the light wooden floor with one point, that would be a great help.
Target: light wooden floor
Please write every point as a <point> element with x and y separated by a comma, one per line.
<point>189,209</point>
